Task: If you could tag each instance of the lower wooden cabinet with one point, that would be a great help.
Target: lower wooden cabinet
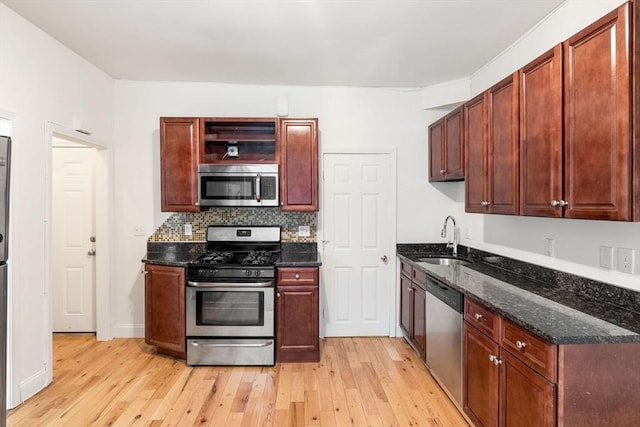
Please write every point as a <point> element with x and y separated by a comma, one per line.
<point>297,315</point>
<point>164,305</point>
<point>413,315</point>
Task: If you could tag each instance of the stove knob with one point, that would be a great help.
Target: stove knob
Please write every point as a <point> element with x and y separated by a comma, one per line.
<point>258,272</point>
<point>248,273</point>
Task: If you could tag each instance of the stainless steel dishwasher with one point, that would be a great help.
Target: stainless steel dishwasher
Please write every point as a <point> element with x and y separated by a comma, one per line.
<point>444,337</point>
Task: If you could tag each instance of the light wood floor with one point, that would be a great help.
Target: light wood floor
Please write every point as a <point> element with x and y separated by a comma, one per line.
<point>359,382</point>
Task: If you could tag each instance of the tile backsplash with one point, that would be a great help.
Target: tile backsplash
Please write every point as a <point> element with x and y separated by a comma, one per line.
<point>173,228</point>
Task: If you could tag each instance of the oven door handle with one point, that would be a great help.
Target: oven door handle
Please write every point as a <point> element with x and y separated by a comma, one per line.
<point>230,285</point>
<point>228,344</point>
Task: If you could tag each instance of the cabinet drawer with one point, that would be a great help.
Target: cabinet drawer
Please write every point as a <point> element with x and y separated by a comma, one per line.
<point>482,318</point>
<point>297,276</point>
<point>539,355</point>
<point>419,277</point>
<point>406,268</point>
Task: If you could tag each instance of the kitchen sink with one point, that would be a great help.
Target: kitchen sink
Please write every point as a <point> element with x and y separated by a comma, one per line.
<point>444,261</point>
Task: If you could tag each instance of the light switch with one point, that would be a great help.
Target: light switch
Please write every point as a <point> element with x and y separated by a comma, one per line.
<point>188,230</point>
<point>549,247</point>
<point>606,257</point>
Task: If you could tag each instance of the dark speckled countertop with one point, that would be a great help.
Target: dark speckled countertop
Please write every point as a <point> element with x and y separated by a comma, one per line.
<point>179,254</point>
<point>559,307</point>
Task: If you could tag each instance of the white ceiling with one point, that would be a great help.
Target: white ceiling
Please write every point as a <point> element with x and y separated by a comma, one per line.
<point>378,43</point>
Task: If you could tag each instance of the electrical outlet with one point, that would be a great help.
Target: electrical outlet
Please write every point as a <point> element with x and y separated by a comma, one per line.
<point>549,247</point>
<point>304,231</point>
<point>188,230</point>
<point>232,151</point>
<point>606,257</point>
<point>625,260</point>
<point>138,230</point>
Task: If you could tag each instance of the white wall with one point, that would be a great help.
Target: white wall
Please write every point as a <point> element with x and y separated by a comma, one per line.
<point>348,117</point>
<point>577,241</point>
<point>40,81</point>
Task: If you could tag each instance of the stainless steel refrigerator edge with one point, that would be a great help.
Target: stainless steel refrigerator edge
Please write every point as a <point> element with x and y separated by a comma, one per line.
<point>5,156</point>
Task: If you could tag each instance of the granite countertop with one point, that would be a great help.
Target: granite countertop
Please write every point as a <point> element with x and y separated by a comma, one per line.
<point>557,310</point>
<point>179,254</point>
<point>176,254</point>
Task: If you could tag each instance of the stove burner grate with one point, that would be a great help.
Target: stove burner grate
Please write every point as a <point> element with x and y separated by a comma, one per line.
<point>217,257</point>
<point>257,257</point>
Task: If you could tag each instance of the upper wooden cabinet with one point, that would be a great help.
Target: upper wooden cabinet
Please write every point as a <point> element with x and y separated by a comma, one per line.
<point>299,164</point>
<point>446,147</point>
<point>597,114</point>
<point>179,158</point>
<point>541,159</point>
<point>492,149</point>
<point>186,142</point>
<point>503,145</point>
<point>475,137</point>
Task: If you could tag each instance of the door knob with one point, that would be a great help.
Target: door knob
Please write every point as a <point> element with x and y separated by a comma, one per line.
<point>384,258</point>
<point>92,252</point>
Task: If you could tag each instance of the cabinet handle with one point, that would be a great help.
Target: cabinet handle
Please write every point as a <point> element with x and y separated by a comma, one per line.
<point>484,203</point>
<point>410,289</point>
<point>442,171</point>
<point>145,272</point>
<point>558,203</point>
<point>521,345</point>
<point>478,316</point>
<point>278,294</point>
<point>494,359</point>
<point>297,277</point>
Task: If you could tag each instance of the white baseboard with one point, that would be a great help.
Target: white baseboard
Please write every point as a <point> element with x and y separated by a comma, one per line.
<point>33,384</point>
<point>128,330</point>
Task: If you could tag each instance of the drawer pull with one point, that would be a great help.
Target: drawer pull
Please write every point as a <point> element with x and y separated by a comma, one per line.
<point>494,360</point>
<point>521,345</point>
<point>297,277</point>
<point>478,316</point>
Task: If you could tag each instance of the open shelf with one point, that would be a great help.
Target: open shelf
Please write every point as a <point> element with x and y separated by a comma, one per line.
<point>254,140</point>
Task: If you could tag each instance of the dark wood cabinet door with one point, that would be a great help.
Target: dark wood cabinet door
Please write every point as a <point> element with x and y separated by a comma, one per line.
<point>527,399</point>
<point>179,158</point>
<point>475,154</point>
<point>406,305</point>
<point>454,145</point>
<point>541,135</point>
<point>299,164</point>
<point>297,338</point>
<point>597,106</point>
<point>419,320</point>
<point>164,320</point>
<point>480,398</point>
<point>436,151</point>
<point>503,140</point>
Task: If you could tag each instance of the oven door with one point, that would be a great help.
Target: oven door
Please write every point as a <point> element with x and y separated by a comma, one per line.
<point>230,309</point>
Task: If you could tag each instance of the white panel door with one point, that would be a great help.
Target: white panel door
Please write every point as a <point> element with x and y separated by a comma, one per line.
<point>358,247</point>
<point>73,225</point>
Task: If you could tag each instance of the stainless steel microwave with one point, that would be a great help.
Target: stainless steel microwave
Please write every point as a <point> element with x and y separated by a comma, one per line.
<point>238,185</point>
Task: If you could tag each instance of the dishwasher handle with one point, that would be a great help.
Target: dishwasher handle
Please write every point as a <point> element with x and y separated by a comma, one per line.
<point>446,294</point>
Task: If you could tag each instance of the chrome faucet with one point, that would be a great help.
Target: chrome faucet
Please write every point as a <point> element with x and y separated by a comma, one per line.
<point>443,234</point>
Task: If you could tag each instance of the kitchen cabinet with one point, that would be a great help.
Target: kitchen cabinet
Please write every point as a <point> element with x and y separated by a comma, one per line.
<point>492,150</point>
<point>297,315</point>
<point>164,307</point>
<point>446,147</point>
<point>541,159</point>
<point>299,164</point>
<point>500,388</point>
<point>413,300</point>
<point>239,140</point>
<point>179,158</point>
<point>597,107</point>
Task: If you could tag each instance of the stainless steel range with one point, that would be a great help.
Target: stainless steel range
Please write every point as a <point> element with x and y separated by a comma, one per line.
<point>230,298</point>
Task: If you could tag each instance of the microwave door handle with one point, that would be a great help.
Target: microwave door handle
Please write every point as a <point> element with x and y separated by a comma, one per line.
<point>258,188</point>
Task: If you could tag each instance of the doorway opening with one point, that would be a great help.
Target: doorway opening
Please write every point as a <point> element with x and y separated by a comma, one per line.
<point>77,236</point>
